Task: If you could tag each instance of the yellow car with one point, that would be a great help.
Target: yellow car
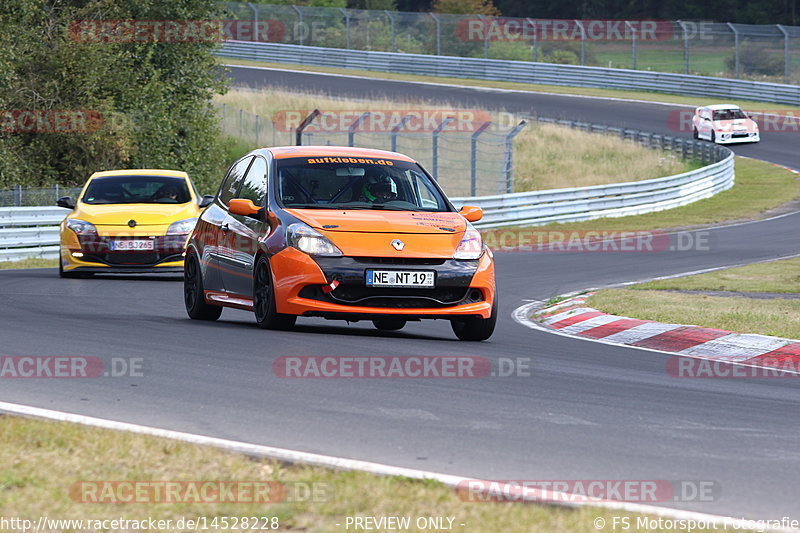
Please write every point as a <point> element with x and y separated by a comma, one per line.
<point>128,221</point>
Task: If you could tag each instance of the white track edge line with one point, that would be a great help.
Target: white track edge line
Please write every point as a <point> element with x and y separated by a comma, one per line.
<point>340,463</point>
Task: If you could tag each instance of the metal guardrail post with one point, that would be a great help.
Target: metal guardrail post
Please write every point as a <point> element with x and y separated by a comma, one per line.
<point>300,28</point>
<point>394,31</point>
<point>736,43</point>
<point>438,33</point>
<point>633,44</point>
<point>346,14</point>
<point>583,41</point>
<point>298,133</point>
<point>351,131</point>
<point>473,158</point>
<point>397,129</point>
<point>435,146</point>
<point>786,64</point>
<point>508,167</point>
<point>685,48</point>
<point>533,40</point>
<point>18,195</point>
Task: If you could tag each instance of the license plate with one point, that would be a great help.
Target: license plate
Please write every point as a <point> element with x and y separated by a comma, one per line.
<point>401,278</point>
<point>131,245</point>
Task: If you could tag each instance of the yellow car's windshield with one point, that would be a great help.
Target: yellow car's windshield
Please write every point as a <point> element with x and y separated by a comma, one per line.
<point>137,190</point>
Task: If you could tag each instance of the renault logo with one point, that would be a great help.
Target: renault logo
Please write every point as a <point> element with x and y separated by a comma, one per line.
<point>398,244</point>
<point>132,223</point>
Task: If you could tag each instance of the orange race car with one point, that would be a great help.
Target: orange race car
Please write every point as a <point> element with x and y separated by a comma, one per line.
<point>339,233</point>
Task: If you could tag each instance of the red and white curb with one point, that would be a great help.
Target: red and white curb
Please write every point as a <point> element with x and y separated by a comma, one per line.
<point>573,317</point>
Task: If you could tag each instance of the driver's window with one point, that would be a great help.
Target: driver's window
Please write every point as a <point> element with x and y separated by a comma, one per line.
<point>233,180</point>
<point>254,187</point>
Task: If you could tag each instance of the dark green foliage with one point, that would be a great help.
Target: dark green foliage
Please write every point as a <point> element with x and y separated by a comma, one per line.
<point>154,97</point>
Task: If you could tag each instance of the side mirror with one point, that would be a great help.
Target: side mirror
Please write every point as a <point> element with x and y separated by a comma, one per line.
<point>66,201</point>
<point>245,208</point>
<point>206,200</point>
<point>471,213</point>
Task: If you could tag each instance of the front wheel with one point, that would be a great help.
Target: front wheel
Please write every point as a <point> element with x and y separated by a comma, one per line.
<point>695,134</point>
<point>713,136</point>
<point>193,293</point>
<point>264,300</point>
<point>475,329</point>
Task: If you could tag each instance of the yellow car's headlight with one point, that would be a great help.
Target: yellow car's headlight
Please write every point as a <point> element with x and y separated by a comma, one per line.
<point>81,227</point>
<point>182,227</point>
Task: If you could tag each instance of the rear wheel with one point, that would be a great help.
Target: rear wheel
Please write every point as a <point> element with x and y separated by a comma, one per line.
<point>475,329</point>
<point>695,134</point>
<point>389,324</point>
<point>193,294</point>
<point>264,300</point>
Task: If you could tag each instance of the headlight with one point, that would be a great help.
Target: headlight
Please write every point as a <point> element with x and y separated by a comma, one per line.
<point>471,245</point>
<point>81,227</point>
<point>182,227</point>
<point>308,240</point>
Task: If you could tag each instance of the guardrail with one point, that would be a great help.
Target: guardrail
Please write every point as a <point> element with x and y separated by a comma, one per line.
<point>28,232</point>
<point>513,71</point>
<point>617,199</point>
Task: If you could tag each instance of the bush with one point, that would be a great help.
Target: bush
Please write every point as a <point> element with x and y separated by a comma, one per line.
<point>756,59</point>
<point>154,97</point>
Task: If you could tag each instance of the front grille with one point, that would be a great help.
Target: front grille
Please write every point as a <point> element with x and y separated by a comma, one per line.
<point>348,294</point>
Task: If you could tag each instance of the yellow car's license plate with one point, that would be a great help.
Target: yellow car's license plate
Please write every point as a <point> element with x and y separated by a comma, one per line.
<point>131,245</point>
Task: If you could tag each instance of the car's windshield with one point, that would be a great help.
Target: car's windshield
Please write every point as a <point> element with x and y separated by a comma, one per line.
<point>356,183</point>
<point>729,114</point>
<point>137,190</point>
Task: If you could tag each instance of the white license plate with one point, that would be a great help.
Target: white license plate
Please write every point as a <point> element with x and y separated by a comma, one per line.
<point>401,278</point>
<point>131,245</point>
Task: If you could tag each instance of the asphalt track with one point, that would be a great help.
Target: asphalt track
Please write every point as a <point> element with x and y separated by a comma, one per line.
<point>588,410</point>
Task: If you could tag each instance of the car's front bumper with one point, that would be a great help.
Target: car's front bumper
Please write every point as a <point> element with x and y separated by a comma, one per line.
<point>463,288</point>
<point>93,254</point>
<point>722,139</point>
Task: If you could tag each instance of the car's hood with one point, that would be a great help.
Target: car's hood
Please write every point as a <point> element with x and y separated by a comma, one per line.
<point>143,214</point>
<point>380,221</point>
<point>733,125</point>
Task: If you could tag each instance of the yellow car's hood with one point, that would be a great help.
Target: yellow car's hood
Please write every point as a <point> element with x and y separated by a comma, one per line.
<point>143,214</point>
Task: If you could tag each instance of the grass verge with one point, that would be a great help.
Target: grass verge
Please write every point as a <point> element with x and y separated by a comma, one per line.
<point>650,301</point>
<point>779,317</point>
<point>29,263</point>
<point>41,461</point>
<point>774,276</point>
<point>546,156</point>
<point>556,89</point>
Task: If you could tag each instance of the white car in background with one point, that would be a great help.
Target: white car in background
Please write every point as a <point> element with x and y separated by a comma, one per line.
<point>724,124</point>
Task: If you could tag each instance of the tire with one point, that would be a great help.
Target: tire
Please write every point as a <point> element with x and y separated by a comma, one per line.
<point>713,136</point>
<point>264,300</point>
<point>389,324</point>
<point>695,134</point>
<point>193,294</point>
<point>475,329</point>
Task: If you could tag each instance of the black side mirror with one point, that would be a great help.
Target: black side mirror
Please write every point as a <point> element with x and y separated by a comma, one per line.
<point>206,200</point>
<point>66,201</point>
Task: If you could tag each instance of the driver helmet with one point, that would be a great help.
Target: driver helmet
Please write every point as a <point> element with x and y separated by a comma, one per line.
<point>380,189</point>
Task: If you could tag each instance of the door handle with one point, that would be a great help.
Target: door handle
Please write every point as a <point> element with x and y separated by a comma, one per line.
<point>224,227</point>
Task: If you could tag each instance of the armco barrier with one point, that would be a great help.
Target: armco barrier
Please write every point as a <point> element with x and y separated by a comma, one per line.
<point>27,232</point>
<point>514,71</point>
